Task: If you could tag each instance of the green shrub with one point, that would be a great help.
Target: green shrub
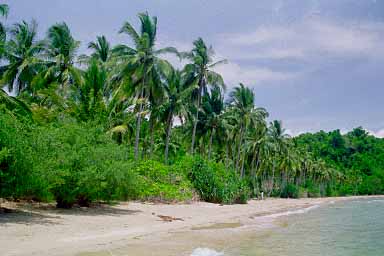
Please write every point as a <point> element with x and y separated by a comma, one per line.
<point>17,178</point>
<point>290,191</point>
<point>162,182</point>
<point>216,184</point>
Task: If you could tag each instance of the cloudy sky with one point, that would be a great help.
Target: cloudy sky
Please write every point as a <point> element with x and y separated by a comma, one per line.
<point>315,64</point>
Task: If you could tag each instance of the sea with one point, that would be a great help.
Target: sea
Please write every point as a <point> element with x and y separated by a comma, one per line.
<point>344,228</point>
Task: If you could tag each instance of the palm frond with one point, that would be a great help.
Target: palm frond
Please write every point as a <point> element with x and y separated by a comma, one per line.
<point>130,30</point>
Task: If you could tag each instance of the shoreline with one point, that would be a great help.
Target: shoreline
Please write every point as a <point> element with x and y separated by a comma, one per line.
<point>132,228</point>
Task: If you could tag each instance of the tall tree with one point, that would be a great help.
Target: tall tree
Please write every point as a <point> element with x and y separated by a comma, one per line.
<point>177,94</point>
<point>213,110</point>
<point>22,54</point>
<point>3,33</point>
<point>61,51</point>
<point>89,95</point>
<point>242,100</point>
<point>138,67</point>
<point>200,72</point>
<point>279,146</point>
<point>101,49</point>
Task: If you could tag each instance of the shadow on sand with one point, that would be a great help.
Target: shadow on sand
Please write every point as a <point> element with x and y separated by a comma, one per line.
<point>47,214</point>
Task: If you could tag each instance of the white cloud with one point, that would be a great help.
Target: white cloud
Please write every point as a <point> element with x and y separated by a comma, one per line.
<point>308,38</point>
<point>262,34</point>
<point>378,134</point>
<point>311,41</point>
<point>233,73</point>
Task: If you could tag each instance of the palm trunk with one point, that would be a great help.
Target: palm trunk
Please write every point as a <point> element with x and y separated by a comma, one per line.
<point>242,166</point>
<point>138,125</point>
<point>196,118</point>
<point>169,129</point>
<point>273,178</point>
<point>239,148</point>
<point>152,142</point>
<point>253,165</point>
<point>181,120</point>
<point>210,143</point>
<point>226,156</point>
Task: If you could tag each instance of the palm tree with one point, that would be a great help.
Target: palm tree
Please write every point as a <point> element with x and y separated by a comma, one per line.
<point>278,139</point>
<point>255,142</point>
<point>242,100</point>
<point>61,52</point>
<point>89,95</point>
<point>177,93</point>
<point>15,105</point>
<point>101,49</point>
<point>213,110</point>
<point>4,9</point>
<point>200,72</point>
<point>22,53</point>
<point>139,66</point>
<point>3,33</point>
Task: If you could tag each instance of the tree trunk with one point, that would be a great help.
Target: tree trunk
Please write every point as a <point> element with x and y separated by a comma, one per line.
<point>273,177</point>
<point>253,165</point>
<point>169,129</point>
<point>239,148</point>
<point>181,120</point>
<point>196,118</point>
<point>210,143</point>
<point>138,125</point>
<point>242,166</point>
<point>152,142</point>
<point>226,155</point>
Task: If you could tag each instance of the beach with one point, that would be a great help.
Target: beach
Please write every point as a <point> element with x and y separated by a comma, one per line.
<point>136,228</point>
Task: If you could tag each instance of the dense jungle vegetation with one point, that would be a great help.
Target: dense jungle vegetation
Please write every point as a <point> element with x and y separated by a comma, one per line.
<point>124,123</point>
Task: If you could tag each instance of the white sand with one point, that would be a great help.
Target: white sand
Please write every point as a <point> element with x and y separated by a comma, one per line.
<point>135,228</point>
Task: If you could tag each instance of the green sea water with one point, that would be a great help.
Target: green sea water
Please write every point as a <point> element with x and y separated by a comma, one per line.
<point>349,228</point>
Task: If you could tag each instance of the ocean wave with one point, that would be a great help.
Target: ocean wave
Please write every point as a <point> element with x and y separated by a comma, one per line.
<point>206,252</point>
<point>298,211</point>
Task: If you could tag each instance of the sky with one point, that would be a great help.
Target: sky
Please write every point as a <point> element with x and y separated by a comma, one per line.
<point>314,64</point>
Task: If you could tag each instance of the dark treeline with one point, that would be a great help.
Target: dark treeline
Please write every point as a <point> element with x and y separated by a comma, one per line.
<point>123,123</point>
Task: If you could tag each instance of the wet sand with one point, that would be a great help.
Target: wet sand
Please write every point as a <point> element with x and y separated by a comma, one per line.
<point>133,228</point>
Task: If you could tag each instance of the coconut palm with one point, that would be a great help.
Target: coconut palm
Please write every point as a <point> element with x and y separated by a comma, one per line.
<point>15,105</point>
<point>3,33</point>
<point>101,49</point>
<point>89,95</point>
<point>61,51</point>
<point>213,110</point>
<point>255,141</point>
<point>279,145</point>
<point>200,71</point>
<point>242,100</point>
<point>22,54</point>
<point>137,68</point>
<point>177,93</point>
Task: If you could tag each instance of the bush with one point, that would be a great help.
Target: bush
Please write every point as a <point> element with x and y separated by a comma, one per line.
<point>79,163</point>
<point>162,182</point>
<point>290,191</point>
<point>216,184</point>
<point>17,178</point>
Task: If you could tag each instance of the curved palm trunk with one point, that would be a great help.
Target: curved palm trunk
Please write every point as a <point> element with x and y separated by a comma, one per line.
<point>181,120</point>
<point>196,118</point>
<point>253,165</point>
<point>152,142</point>
<point>138,125</point>
<point>273,177</point>
<point>242,171</point>
<point>226,156</point>
<point>239,148</point>
<point>210,143</point>
<point>169,129</point>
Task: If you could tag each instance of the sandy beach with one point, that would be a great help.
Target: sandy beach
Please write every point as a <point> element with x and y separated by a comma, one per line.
<point>133,228</point>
